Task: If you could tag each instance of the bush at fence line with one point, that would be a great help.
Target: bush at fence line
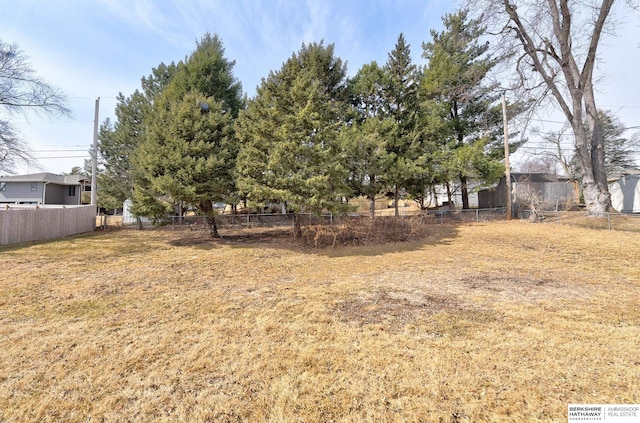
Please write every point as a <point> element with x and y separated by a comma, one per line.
<point>364,231</point>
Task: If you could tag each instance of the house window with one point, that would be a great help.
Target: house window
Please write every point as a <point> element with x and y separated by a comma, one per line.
<point>34,186</point>
<point>3,186</point>
<point>72,191</point>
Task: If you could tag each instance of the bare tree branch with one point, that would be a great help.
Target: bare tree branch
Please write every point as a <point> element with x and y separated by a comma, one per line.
<point>21,90</point>
<point>13,151</point>
<point>555,42</point>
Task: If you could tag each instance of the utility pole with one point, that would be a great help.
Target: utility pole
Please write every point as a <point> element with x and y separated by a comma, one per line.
<point>507,171</point>
<point>94,158</point>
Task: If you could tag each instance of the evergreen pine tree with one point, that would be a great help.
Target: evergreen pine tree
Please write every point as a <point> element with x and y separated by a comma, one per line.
<point>289,135</point>
<point>454,89</point>
<point>401,97</point>
<point>190,149</point>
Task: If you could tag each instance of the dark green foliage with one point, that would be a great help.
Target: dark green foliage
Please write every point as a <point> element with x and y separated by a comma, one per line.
<point>619,151</point>
<point>118,178</point>
<point>401,96</point>
<point>289,134</point>
<point>460,105</point>
<point>189,150</point>
<point>366,138</point>
<point>189,153</point>
<point>368,92</point>
<point>367,158</point>
<point>158,80</point>
<point>208,72</point>
<point>116,145</point>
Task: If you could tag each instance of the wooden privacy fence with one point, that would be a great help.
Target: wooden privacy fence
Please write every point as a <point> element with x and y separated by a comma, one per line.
<point>35,223</point>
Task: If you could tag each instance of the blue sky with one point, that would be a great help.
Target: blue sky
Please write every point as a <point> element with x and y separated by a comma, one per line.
<point>98,48</point>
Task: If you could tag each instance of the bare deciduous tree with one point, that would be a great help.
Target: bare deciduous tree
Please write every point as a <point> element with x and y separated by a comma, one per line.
<point>13,150</point>
<point>539,164</point>
<point>556,151</point>
<point>553,44</point>
<point>21,92</point>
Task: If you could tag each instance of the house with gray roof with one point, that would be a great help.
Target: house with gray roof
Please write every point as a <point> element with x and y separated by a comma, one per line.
<point>42,188</point>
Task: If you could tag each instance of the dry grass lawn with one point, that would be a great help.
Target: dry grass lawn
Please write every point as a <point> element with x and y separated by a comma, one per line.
<point>504,321</point>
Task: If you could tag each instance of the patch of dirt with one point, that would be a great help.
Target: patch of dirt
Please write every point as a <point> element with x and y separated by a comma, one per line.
<point>520,287</point>
<point>463,295</point>
<point>352,231</point>
<point>394,309</point>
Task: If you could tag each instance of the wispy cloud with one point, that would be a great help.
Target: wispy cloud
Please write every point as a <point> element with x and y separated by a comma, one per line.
<point>103,47</point>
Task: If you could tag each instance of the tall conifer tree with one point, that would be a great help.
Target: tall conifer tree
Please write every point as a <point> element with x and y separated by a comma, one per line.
<point>401,97</point>
<point>454,87</point>
<point>365,139</point>
<point>190,150</point>
<point>289,134</point>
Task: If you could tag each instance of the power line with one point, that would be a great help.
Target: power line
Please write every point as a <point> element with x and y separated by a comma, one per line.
<point>621,107</point>
<point>95,96</point>
<point>570,134</point>
<point>64,157</point>
<point>58,145</point>
<point>548,121</point>
<point>51,120</point>
<point>57,151</point>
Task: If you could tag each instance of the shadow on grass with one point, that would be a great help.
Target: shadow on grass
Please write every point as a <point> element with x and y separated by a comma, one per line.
<point>430,233</point>
<point>119,240</point>
<point>334,242</point>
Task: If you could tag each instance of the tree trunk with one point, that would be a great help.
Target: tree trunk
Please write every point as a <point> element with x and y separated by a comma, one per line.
<point>450,197</point>
<point>465,192</point>
<point>591,158</point>
<point>206,208</point>
<point>139,223</point>
<point>434,192</point>
<point>213,228</point>
<point>599,201</point>
<point>372,206</point>
<point>297,230</point>
<point>396,198</point>
<point>578,80</point>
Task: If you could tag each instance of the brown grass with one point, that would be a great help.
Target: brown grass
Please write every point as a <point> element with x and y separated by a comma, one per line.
<point>483,322</point>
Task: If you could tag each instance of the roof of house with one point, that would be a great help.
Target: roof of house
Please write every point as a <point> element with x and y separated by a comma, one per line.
<point>619,175</point>
<point>45,177</point>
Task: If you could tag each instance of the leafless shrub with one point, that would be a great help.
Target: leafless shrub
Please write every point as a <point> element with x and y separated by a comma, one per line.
<point>534,201</point>
<point>364,231</point>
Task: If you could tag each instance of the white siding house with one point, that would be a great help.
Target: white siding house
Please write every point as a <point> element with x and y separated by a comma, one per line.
<point>625,194</point>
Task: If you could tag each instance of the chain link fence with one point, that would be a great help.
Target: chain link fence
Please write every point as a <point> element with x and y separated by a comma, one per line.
<point>230,221</point>
<point>611,221</point>
<point>469,215</point>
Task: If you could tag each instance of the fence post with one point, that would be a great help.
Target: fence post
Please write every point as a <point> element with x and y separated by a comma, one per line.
<point>477,216</point>
<point>609,220</point>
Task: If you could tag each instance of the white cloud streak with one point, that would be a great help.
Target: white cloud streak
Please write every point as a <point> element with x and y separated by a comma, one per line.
<point>103,47</point>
